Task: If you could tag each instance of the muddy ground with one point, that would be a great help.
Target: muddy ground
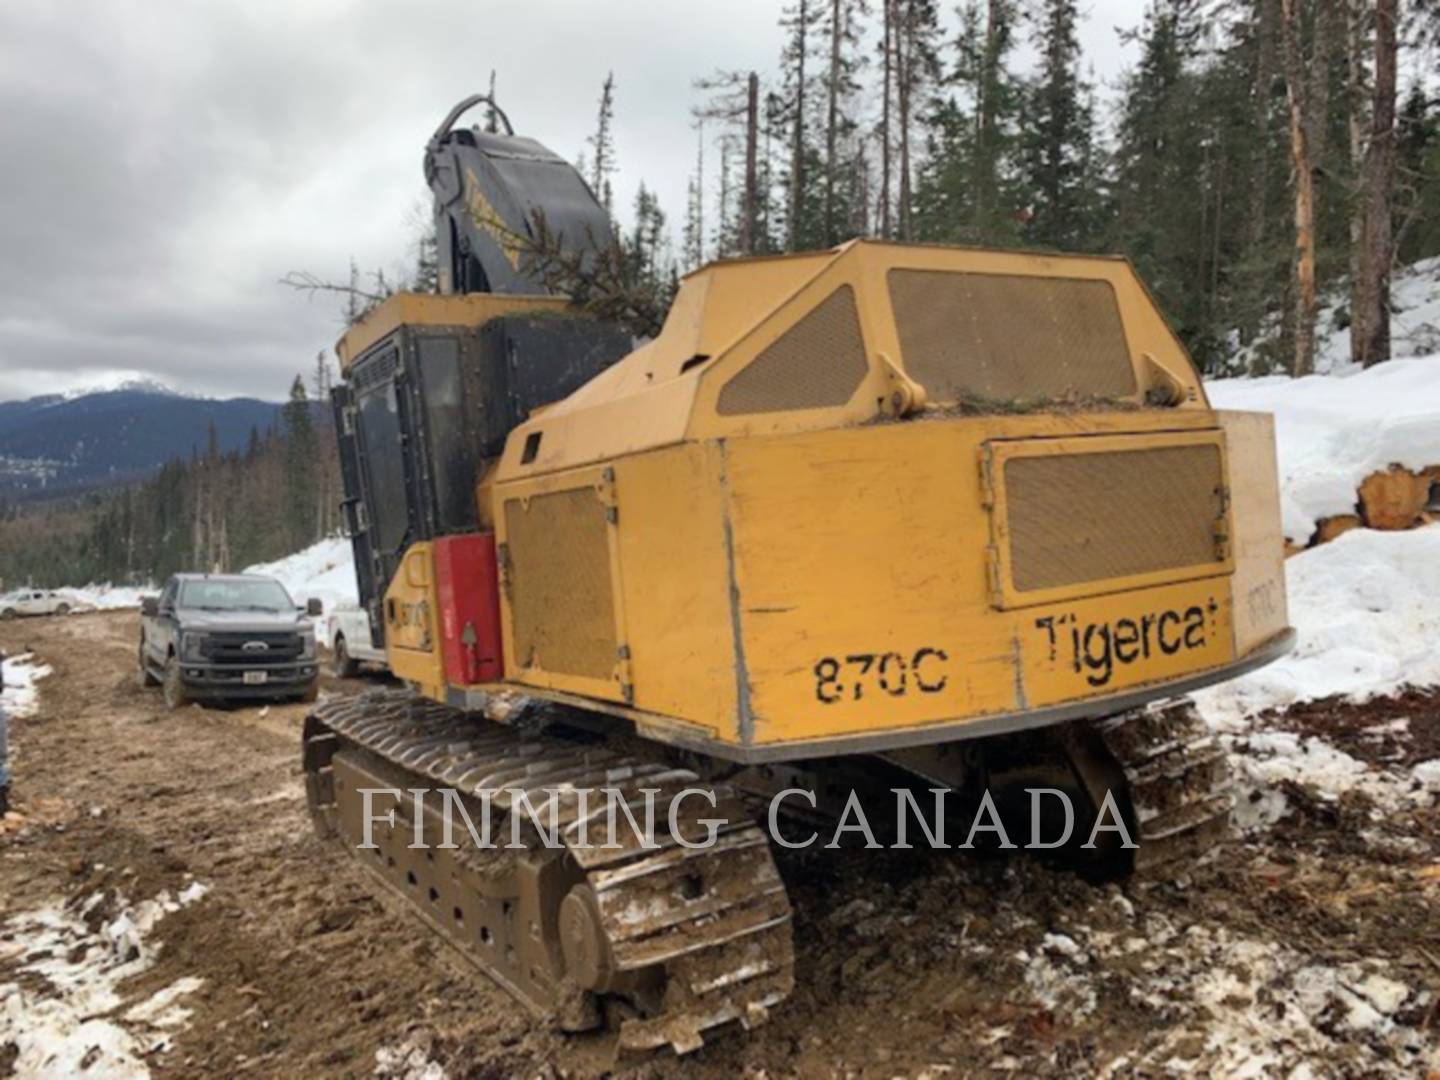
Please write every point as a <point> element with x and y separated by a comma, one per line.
<point>1312,942</point>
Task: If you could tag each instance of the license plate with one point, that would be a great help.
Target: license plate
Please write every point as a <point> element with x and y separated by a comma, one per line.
<point>256,678</point>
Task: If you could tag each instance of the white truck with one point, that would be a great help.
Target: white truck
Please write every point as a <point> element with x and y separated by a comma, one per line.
<point>351,642</point>
<point>33,602</point>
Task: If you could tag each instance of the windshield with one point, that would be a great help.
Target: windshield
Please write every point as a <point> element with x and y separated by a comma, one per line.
<point>235,596</point>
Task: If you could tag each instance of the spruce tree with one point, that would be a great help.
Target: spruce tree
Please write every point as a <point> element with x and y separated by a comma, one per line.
<point>602,145</point>
<point>1057,136</point>
<point>300,462</point>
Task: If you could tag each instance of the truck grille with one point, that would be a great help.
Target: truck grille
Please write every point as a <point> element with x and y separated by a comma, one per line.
<point>230,648</point>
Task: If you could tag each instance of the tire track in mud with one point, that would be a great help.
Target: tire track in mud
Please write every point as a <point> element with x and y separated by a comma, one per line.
<point>302,968</point>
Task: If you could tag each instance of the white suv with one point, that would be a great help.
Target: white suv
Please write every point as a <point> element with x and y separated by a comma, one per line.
<point>33,602</point>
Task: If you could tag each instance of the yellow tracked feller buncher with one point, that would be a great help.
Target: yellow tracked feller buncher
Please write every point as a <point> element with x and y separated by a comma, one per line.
<point>960,516</point>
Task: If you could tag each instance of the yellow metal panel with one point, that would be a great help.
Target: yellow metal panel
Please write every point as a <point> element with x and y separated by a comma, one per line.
<point>557,574</point>
<point>867,543</point>
<point>728,314</point>
<point>412,626</point>
<point>676,576</point>
<point>1258,544</point>
<point>864,596</point>
<point>1108,643</point>
<point>560,603</point>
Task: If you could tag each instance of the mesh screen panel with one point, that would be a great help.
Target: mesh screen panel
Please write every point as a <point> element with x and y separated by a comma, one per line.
<point>1008,337</point>
<point>560,590</point>
<point>820,361</point>
<point>1087,517</point>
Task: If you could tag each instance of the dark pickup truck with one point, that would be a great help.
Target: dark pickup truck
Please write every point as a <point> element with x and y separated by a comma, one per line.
<point>228,637</point>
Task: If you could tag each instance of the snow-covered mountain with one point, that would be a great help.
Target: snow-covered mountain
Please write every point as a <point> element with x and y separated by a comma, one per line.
<point>71,442</point>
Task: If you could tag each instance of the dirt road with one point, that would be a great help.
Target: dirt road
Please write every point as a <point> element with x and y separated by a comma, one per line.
<point>1314,939</point>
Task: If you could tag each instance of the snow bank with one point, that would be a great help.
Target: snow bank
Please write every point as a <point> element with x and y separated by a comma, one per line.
<point>1332,431</point>
<point>325,570</point>
<point>21,697</point>
<point>106,597</point>
<point>1414,322</point>
<point>1367,609</point>
<point>62,1018</point>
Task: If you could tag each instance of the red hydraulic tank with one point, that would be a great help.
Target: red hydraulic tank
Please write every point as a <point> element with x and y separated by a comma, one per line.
<point>468,584</point>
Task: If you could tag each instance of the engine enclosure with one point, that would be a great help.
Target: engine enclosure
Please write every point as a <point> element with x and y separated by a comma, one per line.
<point>874,497</point>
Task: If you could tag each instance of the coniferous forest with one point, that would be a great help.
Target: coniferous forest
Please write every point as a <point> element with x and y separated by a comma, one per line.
<point>1260,161</point>
<point>1255,158</point>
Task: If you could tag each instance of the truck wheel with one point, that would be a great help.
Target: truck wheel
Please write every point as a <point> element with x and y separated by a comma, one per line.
<point>176,696</point>
<point>8,613</point>
<point>62,609</point>
<point>342,664</point>
<point>312,695</point>
<point>147,677</point>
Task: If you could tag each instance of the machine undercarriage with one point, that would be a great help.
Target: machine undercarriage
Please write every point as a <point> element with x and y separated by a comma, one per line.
<point>669,943</point>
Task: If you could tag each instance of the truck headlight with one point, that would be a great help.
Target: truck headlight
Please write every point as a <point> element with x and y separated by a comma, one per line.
<point>191,646</point>
<point>307,644</point>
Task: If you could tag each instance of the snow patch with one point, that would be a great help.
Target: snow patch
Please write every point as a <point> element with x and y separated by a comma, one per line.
<point>1365,608</point>
<point>1262,762</point>
<point>1240,1007</point>
<point>63,1020</point>
<point>20,674</point>
<point>408,1061</point>
<point>105,597</point>
<point>117,381</point>
<point>325,570</point>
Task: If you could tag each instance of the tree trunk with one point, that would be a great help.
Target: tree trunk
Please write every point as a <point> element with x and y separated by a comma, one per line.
<point>985,119</point>
<point>751,202</point>
<point>1305,299</point>
<point>1355,123</point>
<point>904,55</point>
<point>832,122</point>
<point>1317,99</point>
<point>1264,73</point>
<point>725,237</point>
<point>797,153</point>
<point>1379,184</point>
<point>889,34</point>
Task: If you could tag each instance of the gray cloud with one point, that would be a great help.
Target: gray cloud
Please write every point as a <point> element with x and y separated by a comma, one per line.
<point>165,163</point>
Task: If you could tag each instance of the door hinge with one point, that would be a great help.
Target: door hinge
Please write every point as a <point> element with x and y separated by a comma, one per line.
<point>987,478</point>
<point>992,575</point>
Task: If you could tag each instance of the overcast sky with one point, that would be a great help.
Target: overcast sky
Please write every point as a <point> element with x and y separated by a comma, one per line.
<point>167,162</point>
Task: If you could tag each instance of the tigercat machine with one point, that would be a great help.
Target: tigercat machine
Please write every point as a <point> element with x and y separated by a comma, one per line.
<point>962,515</point>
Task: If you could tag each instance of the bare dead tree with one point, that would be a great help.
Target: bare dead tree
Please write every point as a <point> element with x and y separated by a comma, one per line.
<point>358,301</point>
<point>734,100</point>
<point>1297,94</point>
